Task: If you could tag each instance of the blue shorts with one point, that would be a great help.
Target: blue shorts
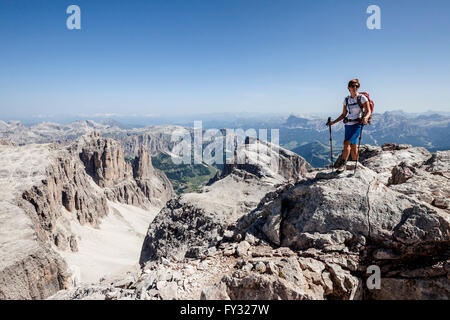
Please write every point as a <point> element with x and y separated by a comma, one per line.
<point>352,133</point>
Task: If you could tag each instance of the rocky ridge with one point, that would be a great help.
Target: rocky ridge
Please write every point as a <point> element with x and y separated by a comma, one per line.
<point>311,239</point>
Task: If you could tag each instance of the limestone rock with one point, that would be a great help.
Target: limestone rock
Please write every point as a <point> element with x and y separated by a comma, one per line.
<point>260,267</point>
<point>169,291</point>
<point>36,272</point>
<point>312,237</point>
<point>321,213</point>
<point>427,182</point>
<point>401,174</point>
<point>44,189</point>
<point>439,162</point>
<point>138,185</point>
<point>242,248</point>
<point>215,292</point>
<point>412,289</point>
<point>272,268</point>
<point>196,220</point>
<point>383,159</point>
<point>345,285</point>
<point>332,227</point>
<point>92,292</point>
<point>35,183</point>
<point>262,287</point>
<point>154,184</point>
<point>337,222</point>
<point>261,157</point>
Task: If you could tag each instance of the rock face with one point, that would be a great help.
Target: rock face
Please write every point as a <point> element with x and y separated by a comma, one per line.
<point>103,158</point>
<point>154,184</point>
<point>152,139</point>
<point>44,188</point>
<point>36,273</point>
<point>30,196</point>
<point>264,159</point>
<point>138,185</point>
<point>66,185</point>
<point>192,223</point>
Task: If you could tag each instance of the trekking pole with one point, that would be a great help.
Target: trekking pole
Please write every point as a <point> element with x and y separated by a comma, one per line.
<point>359,144</point>
<point>331,143</point>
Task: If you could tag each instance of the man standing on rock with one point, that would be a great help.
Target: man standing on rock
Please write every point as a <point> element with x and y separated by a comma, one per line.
<point>355,113</point>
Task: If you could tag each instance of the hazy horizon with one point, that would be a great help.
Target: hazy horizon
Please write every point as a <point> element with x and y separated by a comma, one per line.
<point>140,120</point>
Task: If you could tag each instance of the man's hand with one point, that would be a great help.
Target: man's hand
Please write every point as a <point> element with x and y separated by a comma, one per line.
<point>364,121</point>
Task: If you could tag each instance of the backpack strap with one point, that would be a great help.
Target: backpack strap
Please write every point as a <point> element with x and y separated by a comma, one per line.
<point>359,98</point>
<point>348,111</point>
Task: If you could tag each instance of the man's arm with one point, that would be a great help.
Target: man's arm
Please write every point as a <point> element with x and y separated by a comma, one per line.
<point>342,116</point>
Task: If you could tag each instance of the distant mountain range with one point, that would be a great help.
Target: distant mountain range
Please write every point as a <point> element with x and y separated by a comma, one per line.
<point>310,137</point>
<point>306,135</point>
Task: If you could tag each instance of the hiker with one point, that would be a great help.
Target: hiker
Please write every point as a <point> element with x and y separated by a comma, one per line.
<point>356,112</point>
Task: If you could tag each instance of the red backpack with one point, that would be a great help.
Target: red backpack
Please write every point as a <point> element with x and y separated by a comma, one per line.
<point>371,104</point>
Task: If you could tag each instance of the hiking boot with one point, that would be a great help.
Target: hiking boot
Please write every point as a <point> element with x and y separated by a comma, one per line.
<point>342,167</point>
<point>338,163</point>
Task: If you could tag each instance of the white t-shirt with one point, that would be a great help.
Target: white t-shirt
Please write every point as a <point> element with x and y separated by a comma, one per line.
<point>354,111</point>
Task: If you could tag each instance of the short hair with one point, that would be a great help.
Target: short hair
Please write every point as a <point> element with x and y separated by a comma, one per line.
<point>354,82</point>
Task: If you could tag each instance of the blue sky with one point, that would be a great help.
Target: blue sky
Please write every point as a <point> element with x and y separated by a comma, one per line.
<point>193,56</point>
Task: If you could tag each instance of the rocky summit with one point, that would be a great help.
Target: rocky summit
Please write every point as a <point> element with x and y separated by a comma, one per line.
<point>319,235</point>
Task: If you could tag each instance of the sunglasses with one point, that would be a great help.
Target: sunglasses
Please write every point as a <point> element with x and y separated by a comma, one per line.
<point>353,86</point>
